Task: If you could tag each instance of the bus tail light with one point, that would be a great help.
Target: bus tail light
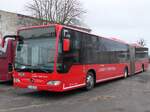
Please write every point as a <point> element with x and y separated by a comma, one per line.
<point>54,83</point>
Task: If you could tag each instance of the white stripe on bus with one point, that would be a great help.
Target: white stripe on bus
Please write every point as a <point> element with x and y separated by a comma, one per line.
<point>70,87</point>
<point>109,78</point>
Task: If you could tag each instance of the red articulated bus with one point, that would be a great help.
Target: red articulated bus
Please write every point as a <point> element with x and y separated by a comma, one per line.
<point>60,58</point>
<point>7,53</point>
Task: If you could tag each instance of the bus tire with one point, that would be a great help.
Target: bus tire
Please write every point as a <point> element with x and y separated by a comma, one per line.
<point>89,81</point>
<point>125,72</point>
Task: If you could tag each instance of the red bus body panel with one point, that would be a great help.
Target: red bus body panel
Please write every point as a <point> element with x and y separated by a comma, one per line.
<point>75,78</point>
<point>139,63</point>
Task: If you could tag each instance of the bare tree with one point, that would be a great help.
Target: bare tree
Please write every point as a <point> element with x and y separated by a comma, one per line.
<point>142,42</point>
<point>56,11</point>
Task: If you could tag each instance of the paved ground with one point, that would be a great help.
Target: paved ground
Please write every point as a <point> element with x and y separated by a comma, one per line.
<point>123,95</point>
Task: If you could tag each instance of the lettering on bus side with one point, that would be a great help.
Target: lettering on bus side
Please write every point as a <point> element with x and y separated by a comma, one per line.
<point>107,69</point>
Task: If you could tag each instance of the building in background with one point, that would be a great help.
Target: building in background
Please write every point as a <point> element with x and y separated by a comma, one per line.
<point>10,22</point>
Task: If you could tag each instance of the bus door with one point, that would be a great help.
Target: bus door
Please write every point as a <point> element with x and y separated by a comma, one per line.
<point>132,60</point>
<point>68,61</point>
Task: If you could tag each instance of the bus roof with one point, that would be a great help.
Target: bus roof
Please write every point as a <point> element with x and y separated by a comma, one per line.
<point>113,39</point>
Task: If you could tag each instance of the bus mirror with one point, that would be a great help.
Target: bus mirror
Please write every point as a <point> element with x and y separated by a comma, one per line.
<point>66,45</point>
<point>20,40</point>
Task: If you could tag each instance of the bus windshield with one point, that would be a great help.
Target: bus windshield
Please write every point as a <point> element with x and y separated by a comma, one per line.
<point>36,51</point>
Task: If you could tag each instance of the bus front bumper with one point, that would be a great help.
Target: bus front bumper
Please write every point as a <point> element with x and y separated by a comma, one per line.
<point>39,87</point>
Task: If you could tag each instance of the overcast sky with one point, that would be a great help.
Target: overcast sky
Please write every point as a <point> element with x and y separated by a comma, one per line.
<point>128,20</point>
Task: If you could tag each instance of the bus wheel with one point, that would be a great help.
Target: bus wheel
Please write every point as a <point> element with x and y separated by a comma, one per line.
<point>125,73</point>
<point>90,81</point>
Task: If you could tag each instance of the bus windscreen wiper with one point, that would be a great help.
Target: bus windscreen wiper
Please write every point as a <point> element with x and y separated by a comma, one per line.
<point>25,67</point>
<point>31,68</point>
<point>43,70</point>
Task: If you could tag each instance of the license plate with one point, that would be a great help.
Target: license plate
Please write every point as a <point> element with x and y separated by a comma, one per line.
<point>32,87</point>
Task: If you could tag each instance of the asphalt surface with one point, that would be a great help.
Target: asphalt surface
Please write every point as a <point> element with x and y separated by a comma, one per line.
<point>122,95</point>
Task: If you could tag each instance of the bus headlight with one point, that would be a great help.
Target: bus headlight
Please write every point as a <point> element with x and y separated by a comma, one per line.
<point>16,80</point>
<point>21,74</point>
<point>54,83</point>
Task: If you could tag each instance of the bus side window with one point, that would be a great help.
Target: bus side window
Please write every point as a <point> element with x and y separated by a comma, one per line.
<point>2,54</point>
